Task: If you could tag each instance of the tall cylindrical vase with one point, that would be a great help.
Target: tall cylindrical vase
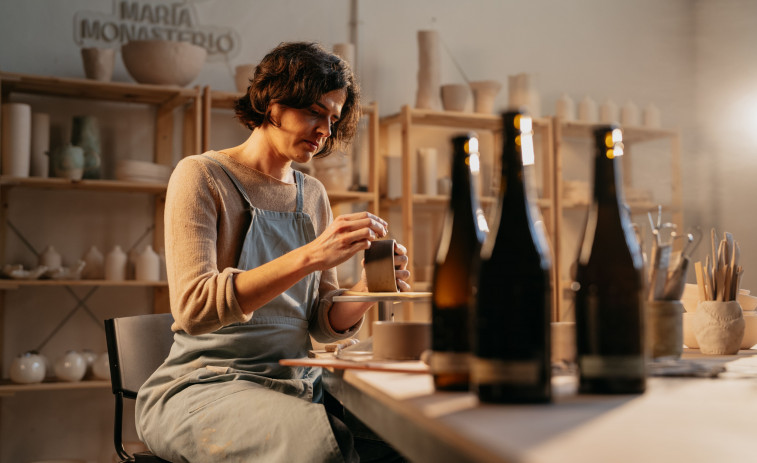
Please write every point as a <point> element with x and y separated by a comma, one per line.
<point>429,71</point>
<point>16,139</point>
<point>86,134</point>
<point>40,163</point>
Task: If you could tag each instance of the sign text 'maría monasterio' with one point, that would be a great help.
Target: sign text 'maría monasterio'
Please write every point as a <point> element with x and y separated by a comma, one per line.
<point>152,20</point>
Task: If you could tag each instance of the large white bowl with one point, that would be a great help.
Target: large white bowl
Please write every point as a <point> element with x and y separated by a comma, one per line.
<point>690,299</point>
<point>163,62</point>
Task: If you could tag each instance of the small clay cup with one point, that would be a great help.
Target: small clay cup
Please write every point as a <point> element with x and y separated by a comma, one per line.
<point>665,329</point>
<point>379,267</point>
<point>400,340</point>
<point>98,63</point>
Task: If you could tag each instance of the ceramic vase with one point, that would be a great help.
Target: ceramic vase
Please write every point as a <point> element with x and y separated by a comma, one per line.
<point>427,171</point>
<point>27,368</point>
<point>93,264</point>
<point>719,327</point>
<point>115,264</point>
<point>242,75</point>
<point>70,367</point>
<point>587,110</point>
<point>40,145</point>
<point>98,63</point>
<point>429,71</point>
<point>16,139</point>
<point>651,116</point>
<point>608,112</point>
<point>50,258</point>
<point>522,93</point>
<point>86,134</point>
<point>484,94</point>
<point>147,265</point>
<point>101,367</point>
<point>629,114</point>
<point>67,162</point>
<point>565,108</point>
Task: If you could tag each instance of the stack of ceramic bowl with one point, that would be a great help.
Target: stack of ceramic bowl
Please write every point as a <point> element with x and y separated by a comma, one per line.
<point>141,171</point>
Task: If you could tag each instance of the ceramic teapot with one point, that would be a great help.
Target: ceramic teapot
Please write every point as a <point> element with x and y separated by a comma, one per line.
<point>27,368</point>
<point>67,161</point>
<point>70,367</point>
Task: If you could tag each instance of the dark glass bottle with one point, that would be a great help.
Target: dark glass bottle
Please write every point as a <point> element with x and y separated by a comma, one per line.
<point>511,337</point>
<point>609,283</point>
<point>454,271</point>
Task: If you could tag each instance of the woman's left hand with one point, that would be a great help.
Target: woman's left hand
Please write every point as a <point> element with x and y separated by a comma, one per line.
<point>401,273</point>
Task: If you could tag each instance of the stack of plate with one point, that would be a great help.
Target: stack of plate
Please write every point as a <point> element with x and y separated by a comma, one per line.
<point>142,171</point>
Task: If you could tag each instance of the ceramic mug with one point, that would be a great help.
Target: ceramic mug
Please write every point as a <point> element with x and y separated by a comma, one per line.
<point>379,267</point>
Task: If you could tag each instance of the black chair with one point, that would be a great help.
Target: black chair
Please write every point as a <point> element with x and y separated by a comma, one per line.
<point>136,347</point>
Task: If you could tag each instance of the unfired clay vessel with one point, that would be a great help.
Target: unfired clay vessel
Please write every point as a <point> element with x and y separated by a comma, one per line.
<point>484,93</point>
<point>98,63</point>
<point>455,97</point>
<point>379,267</point>
<point>429,71</point>
<point>719,327</point>
<point>163,62</point>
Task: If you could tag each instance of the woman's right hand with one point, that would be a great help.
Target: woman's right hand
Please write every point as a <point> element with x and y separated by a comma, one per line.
<point>344,237</point>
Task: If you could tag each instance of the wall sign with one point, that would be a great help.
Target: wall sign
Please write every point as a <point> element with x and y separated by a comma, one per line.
<point>153,20</point>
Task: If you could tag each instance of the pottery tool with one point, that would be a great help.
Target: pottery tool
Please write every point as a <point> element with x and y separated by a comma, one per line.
<point>676,279</point>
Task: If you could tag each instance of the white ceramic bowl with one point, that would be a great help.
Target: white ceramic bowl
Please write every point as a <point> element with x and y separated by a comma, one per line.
<point>163,62</point>
<point>690,299</point>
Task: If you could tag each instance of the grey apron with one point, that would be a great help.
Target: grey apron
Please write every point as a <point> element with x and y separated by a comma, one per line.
<point>223,396</point>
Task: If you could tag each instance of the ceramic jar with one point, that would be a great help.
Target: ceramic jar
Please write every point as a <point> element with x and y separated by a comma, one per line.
<point>522,92</point>
<point>86,134</point>
<point>147,265</point>
<point>50,258</point>
<point>70,367</point>
<point>587,110</point>
<point>15,139</point>
<point>98,63</point>
<point>101,366</point>
<point>27,368</point>
<point>719,327</point>
<point>565,108</point>
<point>94,262</point>
<point>455,97</point>
<point>115,264</point>
<point>67,162</point>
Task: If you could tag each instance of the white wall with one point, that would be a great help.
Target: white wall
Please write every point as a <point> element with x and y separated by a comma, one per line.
<point>677,54</point>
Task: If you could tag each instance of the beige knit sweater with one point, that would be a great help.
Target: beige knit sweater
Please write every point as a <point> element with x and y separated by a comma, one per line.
<point>206,220</point>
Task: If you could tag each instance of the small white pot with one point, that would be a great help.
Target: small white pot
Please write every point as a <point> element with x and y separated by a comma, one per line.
<point>27,368</point>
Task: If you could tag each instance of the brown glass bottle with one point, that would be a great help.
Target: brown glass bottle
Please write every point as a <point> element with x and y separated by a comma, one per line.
<point>609,304</point>
<point>454,271</point>
<point>511,322</point>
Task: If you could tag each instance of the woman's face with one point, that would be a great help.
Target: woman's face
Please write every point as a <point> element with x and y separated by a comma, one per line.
<point>302,132</point>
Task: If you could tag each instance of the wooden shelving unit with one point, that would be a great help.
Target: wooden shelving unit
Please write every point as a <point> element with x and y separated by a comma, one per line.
<point>168,102</point>
<point>411,119</point>
<point>634,138</point>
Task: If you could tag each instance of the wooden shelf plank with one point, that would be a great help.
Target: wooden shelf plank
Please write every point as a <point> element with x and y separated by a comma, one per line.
<point>456,119</point>
<point>8,387</point>
<point>97,185</point>
<point>16,284</point>
<point>631,134</point>
<point>92,89</point>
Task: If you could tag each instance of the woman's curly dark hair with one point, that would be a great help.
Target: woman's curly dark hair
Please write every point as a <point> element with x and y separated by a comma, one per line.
<point>297,74</point>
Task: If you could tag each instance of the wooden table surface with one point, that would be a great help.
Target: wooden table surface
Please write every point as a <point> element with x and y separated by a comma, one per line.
<point>678,419</point>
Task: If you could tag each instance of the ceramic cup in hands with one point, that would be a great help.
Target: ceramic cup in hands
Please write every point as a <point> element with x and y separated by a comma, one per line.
<point>380,267</point>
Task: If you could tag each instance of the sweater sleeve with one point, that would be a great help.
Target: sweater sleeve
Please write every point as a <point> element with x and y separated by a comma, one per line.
<point>202,295</point>
<point>320,327</point>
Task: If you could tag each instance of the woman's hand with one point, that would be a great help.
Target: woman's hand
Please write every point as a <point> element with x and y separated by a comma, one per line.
<point>344,237</point>
<point>401,273</point>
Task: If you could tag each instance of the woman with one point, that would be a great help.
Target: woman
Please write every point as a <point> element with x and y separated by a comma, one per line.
<point>250,251</point>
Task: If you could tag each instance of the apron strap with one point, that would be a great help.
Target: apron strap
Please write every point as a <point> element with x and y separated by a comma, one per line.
<point>234,180</point>
<point>299,180</point>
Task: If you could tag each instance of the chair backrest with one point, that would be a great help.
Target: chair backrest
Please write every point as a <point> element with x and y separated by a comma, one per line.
<point>137,346</point>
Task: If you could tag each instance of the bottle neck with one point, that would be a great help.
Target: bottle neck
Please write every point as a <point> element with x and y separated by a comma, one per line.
<point>608,181</point>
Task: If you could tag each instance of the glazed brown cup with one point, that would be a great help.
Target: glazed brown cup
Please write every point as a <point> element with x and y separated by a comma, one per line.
<point>379,267</point>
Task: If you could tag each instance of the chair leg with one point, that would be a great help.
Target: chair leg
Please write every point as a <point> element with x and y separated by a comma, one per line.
<point>118,430</point>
